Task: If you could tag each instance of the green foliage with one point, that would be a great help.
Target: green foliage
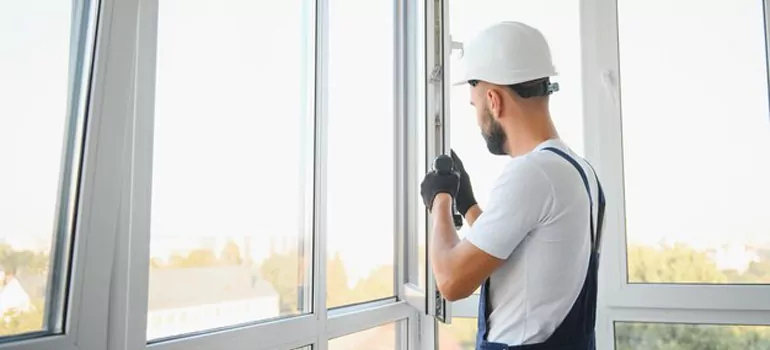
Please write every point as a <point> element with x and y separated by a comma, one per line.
<point>641,336</point>
<point>14,322</point>
<point>22,261</point>
<point>281,270</point>
<point>677,264</point>
<point>231,254</point>
<point>337,291</point>
<point>680,264</point>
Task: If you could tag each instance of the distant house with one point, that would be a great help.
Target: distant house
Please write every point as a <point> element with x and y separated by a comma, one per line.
<point>14,294</point>
<point>190,300</point>
<point>35,285</point>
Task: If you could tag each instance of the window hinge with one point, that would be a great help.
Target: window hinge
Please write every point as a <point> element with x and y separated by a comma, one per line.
<point>435,74</point>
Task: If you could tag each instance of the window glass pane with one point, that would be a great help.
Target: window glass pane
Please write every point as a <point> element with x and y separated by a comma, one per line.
<point>460,335</point>
<point>40,145</point>
<point>696,161</point>
<point>378,338</point>
<point>361,183</point>
<point>418,93</point>
<point>656,336</point>
<point>230,203</point>
<point>559,21</point>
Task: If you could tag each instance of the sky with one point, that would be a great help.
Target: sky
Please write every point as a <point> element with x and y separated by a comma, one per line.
<point>232,119</point>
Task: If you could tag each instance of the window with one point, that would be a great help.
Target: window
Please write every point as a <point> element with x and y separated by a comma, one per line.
<point>654,336</point>
<point>416,123</point>
<point>361,183</point>
<point>459,335</point>
<point>41,141</point>
<point>232,162</point>
<point>378,338</point>
<point>696,141</point>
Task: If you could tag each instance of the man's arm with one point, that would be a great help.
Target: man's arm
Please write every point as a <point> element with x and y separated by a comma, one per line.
<point>458,266</point>
<point>521,199</point>
<point>473,213</point>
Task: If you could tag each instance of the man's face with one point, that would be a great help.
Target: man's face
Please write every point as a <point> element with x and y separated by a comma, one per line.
<point>491,130</point>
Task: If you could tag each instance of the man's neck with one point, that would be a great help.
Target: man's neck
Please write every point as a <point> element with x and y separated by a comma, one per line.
<point>526,137</point>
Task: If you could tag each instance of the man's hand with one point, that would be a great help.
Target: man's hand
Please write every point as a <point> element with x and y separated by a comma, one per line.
<point>464,199</point>
<point>435,183</point>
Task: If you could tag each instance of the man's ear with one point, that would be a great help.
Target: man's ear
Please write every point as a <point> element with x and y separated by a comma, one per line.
<point>494,102</point>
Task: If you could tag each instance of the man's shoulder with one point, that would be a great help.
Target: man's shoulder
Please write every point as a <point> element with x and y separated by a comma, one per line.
<point>553,165</point>
<point>526,168</point>
<point>522,178</point>
<point>536,165</point>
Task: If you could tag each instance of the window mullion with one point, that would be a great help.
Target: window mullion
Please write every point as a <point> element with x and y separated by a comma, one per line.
<point>108,115</point>
<point>320,165</point>
<point>128,321</point>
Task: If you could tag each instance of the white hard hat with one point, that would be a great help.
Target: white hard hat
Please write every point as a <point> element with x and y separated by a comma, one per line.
<point>506,53</point>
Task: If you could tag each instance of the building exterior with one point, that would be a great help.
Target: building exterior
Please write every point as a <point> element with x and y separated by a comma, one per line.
<point>187,300</point>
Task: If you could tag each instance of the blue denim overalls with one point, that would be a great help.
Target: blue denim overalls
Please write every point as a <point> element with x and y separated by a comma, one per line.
<point>576,332</point>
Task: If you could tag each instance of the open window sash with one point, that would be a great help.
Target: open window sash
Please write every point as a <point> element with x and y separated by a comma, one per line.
<point>432,139</point>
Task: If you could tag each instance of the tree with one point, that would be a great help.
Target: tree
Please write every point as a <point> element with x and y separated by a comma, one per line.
<point>201,258</point>
<point>19,322</point>
<point>378,283</point>
<point>195,258</point>
<point>680,264</point>
<point>155,263</point>
<point>281,271</point>
<point>337,290</point>
<point>23,261</point>
<point>231,254</point>
<point>677,264</point>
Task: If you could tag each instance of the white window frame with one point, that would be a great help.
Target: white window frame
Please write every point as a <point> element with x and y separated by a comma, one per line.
<point>619,300</point>
<point>109,285</point>
<point>427,114</point>
<point>129,290</point>
<point>101,58</point>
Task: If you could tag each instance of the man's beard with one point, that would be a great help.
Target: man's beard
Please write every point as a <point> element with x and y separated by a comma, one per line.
<point>494,136</point>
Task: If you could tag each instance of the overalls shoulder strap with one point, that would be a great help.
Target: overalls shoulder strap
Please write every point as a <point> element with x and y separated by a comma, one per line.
<point>596,233</point>
<point>576,332</point>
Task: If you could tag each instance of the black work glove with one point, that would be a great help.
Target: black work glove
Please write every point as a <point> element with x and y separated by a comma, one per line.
<point>435,183</point>
<point>464,199</point>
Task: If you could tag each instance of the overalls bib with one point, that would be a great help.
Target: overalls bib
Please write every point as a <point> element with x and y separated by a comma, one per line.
<point>576,332</point>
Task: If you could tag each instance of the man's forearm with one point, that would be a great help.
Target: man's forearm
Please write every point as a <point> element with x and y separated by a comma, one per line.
<point>472,214</point>
<point>444,237</point>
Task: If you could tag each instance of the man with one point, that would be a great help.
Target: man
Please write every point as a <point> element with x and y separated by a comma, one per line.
<point>534,248</point>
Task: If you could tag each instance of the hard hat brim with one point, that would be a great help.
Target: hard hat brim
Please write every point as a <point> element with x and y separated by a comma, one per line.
<point>465,78</point>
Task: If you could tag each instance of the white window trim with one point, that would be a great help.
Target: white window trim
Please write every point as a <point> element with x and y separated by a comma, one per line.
<point>108,297</point>
<point>619,300</point>
<point>103,40</point>
<point>129,290</point>
<point>414,93</point>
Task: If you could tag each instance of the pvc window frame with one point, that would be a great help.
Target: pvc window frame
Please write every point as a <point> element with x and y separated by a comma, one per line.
<point>128,316</point>
<point>101,56</point>
<point>108,290</point>
<point>620,301</point>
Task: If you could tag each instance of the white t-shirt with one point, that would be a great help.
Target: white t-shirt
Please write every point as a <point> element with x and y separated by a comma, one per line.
<point>537,220</point>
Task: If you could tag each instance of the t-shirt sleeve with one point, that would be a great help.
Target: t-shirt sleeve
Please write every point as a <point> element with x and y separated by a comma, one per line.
<point>520,199</point>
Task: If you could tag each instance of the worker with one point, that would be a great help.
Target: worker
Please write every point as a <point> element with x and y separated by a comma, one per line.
<point>534,248</point>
